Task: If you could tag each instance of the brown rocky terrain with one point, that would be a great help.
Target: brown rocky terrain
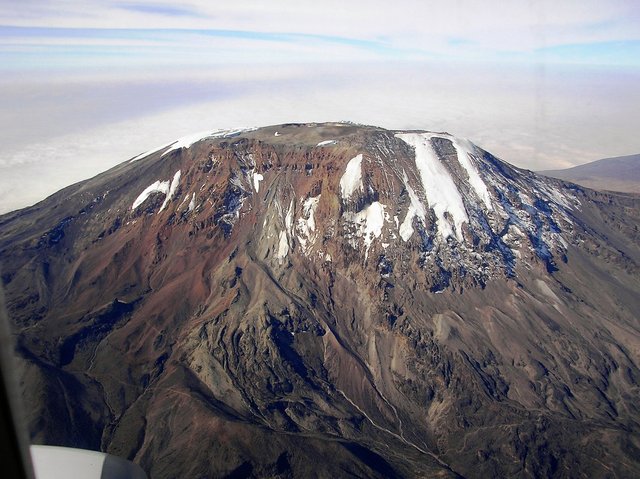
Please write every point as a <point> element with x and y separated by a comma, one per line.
<point>331,300</point>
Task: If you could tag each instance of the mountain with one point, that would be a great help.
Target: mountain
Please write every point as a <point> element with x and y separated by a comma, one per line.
<point>330,300</point>
<point>614,174</point>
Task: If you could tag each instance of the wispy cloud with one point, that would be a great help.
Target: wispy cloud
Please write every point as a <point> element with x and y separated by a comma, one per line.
<point>63,48</point>
<point>596,53</point>
<point>160,9</point>
<point>462,30</point>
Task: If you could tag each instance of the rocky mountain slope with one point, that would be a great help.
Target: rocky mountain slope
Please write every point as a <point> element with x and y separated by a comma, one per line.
<point>615,174</point>
<point>331,300</point>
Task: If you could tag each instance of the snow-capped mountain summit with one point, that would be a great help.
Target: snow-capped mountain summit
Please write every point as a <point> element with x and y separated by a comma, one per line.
<point>323,299</point>
<point>401,191</point>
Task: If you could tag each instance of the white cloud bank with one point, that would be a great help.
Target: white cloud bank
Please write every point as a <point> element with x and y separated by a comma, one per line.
<point>86,84</point>
<point>534,119</point>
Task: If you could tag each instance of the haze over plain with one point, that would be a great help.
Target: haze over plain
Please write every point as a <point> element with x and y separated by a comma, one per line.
<point>86,85</point>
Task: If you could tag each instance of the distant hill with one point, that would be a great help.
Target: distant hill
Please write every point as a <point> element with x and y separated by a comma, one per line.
<point>615,174</point>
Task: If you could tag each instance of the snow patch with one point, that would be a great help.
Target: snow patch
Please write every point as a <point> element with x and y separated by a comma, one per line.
<point>288,221</point>
<point>562,241</point>
<point>466,151</point>
<point>231,132</point>
<point>157,187</point>
<point>557,197</point>
<point>187,141</point>
<point>416,208</point>
<point>172,190</point>
<point>236,181</point>
<point>150,152</point>
<point>257,178</point>
<point>525,199</point>
<point>165,187</point>
<point>283,237</point>
<point>352,178</point>
<point>439,188</point>
<point>307,225</point>
<point>192,203</point>
<point>283,246</point>
<point>327,143</point>
<point>370,222</point>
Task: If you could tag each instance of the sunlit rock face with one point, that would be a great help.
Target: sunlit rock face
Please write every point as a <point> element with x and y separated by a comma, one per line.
<point>315,300</point>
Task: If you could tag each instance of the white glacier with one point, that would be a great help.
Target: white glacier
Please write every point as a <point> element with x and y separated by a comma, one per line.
<point>439,188</point>
<point>306,225</point>
<point>257,178</point>
<point>465,151</point>
<point>288,221</point>
<point>283,246</point>
<point>165,187</point>
<point>187,141</point>
<point>416,208</point>
<point>149,152</point>
<point>172,190</point>
<point>370,222</point>
<point>157,187</point>
<point>352,178</point>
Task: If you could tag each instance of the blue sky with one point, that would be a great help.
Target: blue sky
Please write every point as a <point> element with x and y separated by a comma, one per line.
<point>542,84</point>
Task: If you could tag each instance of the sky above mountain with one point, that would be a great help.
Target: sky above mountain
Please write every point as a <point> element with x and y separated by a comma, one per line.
<point>591,31</point>
<point>87,84</point>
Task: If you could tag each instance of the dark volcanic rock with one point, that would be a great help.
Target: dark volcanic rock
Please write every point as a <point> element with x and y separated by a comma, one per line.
<point>334,300</point>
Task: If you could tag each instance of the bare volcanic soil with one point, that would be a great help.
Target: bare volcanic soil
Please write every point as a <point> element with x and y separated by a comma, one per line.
<point>330,300</point>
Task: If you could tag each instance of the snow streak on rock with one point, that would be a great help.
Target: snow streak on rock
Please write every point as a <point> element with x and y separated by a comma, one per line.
<point>466,152</point>
<point>416,208</point>
<point>450,185</point>
<point>369,223</point>
<point>441,191</point>
<point>150,152</point>
<point>164,187</point>
<point>257,178</point>
<point>351,180</point>
<point>157,187</point>
<point>283,237</point>
<point>172,190</point>
<point>306,225</point>
<point>283,246</point>
<point>187,141</point>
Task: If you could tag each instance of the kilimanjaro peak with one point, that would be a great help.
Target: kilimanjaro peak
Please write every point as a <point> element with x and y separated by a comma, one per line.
<point>319,191</point>
<point>314,300</point>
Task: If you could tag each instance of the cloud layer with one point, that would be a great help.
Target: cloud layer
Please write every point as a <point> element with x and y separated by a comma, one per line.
<point>537,119</point>
<point>158,32</point>
<point>86,84</point>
